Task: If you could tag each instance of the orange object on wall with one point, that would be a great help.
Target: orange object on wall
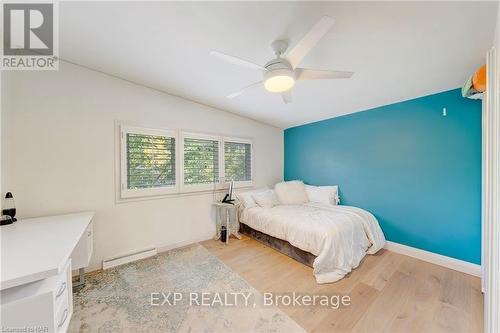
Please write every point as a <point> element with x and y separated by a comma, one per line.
<point>479,79</point>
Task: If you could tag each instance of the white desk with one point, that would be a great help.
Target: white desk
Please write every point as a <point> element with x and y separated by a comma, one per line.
<point>37,258</point>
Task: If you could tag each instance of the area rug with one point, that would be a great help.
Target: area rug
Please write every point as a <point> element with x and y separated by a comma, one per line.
<point>182,290</point>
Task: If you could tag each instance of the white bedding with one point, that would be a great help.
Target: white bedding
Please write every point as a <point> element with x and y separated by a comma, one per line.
<point>339,236</point>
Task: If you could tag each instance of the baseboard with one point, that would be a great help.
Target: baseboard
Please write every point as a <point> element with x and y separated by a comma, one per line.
<point>434,258</point>
<point>159,249</point>
<point>168,247</point>
<point>125,259</point>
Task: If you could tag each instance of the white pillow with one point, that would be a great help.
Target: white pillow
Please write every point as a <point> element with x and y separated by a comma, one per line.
<point>266,199</point>
<point>291,193</point>
<point>323,194</point>
<point>246,198</point>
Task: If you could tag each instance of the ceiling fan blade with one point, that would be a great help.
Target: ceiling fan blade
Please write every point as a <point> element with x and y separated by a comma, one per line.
<point>236,61</point>
<point>314,74</point>
<point>310,40</point>
<point>241,91</point>
<point>287,96</point>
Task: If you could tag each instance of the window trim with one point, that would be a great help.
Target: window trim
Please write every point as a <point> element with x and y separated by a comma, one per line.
<point>188,188</point>
<point>241,183</point>
<point>126,193</point>
<point>179,189</point>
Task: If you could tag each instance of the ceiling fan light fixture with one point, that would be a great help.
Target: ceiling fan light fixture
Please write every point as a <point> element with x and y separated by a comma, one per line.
<point>278,81</point>
<point>280,73</point>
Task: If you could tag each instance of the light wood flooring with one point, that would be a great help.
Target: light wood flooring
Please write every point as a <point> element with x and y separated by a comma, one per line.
<point>389,292</point>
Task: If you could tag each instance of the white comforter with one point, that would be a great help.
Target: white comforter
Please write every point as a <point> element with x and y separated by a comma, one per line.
<point>339,236</point>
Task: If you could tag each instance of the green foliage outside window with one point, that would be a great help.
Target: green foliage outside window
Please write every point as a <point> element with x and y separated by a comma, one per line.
<point>238,161</point>
<point>150,161</point>
<point>201,161</point>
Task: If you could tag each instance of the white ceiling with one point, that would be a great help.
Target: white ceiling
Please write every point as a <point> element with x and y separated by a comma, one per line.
<point>399,50</point>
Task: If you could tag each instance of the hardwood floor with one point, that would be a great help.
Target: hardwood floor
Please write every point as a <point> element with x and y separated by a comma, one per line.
<point>389,292</point>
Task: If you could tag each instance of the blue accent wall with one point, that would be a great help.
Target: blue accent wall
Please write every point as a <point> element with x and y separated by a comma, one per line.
<point>416,170</point>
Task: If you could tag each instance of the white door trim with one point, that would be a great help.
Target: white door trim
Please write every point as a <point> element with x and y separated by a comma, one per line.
<point>491,195</point>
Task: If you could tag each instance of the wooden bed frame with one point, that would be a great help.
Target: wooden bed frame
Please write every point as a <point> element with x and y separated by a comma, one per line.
<point>279,245</point>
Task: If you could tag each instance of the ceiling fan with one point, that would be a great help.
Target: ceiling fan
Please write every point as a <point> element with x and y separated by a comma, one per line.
<point>280,73</point>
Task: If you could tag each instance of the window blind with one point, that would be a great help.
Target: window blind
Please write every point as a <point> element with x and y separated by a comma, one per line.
<point>201,161</point>
<point>150,161</point>
<point>237,161</point>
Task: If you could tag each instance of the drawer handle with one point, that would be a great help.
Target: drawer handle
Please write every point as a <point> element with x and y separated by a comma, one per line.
<point>61,289</point>
<point>89,233</point>
<point>65,316</point>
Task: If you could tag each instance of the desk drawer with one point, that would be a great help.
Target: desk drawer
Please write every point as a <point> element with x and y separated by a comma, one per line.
<point>63,284</point>
<point>63,300</point>
<point>39,304</point>
<point>63,314</point>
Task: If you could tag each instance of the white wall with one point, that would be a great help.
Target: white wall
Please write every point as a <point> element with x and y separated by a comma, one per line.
<point>497,32</point>
<point>59,149</point>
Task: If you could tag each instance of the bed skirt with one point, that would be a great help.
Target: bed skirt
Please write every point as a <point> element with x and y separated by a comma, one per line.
<point>280,245</point>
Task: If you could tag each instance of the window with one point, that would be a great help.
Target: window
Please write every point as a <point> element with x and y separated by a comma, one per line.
<point>237,161</point>
<point>201,160</point>
<point>161,162</point>
<point>148,162</point>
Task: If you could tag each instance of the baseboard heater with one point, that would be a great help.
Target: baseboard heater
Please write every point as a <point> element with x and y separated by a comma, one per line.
<point>128,258</point>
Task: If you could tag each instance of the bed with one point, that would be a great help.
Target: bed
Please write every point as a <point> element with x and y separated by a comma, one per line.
<point>333,239</point>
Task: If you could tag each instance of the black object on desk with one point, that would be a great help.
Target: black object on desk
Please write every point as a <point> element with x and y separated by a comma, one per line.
<point>6,219</point>
<point>228,200</point>
<point>9,208</point>
<point>229,196</point>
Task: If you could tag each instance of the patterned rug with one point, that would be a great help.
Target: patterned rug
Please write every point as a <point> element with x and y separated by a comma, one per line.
<point>210,297</point>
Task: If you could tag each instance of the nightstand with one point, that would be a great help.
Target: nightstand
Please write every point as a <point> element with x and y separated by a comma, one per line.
<point>226,215</point>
